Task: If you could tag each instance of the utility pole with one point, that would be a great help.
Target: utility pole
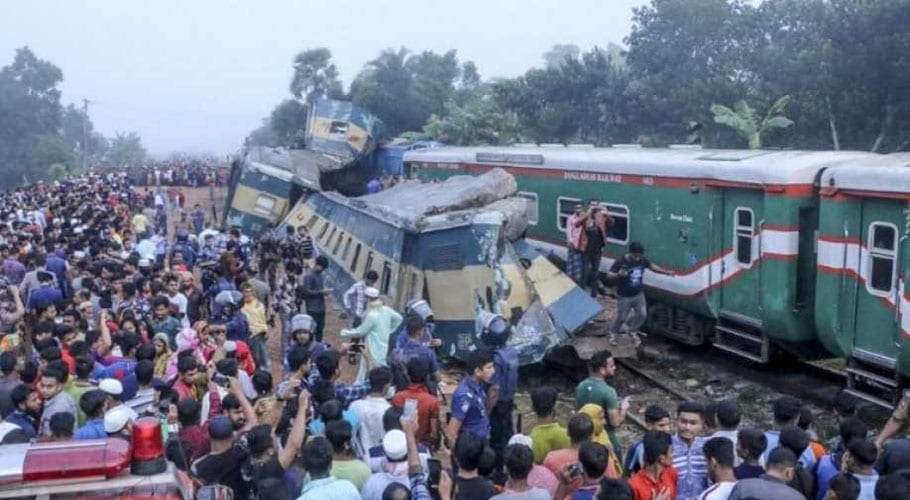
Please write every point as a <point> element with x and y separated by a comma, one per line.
<point>84,135</point>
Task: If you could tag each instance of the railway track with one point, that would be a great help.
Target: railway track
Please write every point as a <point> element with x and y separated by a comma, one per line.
<point>653,380</point>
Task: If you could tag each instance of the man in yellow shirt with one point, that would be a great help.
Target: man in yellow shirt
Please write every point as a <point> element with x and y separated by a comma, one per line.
<point>140,224</point>
<point>257,320</point>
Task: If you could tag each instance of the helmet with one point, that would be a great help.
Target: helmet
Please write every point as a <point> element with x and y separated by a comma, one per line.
<point>228,297</point>
<point>496,330</point>
<point>302,322</point>
<point>419,308</point>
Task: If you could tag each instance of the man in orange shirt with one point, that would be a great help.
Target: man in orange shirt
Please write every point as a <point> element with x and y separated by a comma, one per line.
<point>427,404</point>
<point>657,479</point>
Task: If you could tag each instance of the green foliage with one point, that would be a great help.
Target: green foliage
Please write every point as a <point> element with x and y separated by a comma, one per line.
<point>744,120</point>
<point>315,75</point>
<point>288,122</point>
<point>125,149</point>
<point>841,62</point>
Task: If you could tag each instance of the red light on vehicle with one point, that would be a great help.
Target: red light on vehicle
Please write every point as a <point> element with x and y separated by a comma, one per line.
<point>76,459</point>
<point>148,447</point>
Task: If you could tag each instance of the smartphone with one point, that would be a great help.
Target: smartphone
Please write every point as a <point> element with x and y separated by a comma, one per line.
<point>575,469</point>
<point>434,471</point>
<point>410,408</point>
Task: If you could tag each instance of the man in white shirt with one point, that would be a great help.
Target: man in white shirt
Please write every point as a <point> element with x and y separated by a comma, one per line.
<point>729,415</point>
<point>719,455</point>
<point>370,410</point>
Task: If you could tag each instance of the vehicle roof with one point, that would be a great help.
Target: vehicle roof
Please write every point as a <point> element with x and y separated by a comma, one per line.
<point>887,173</point>
<point>417,206</point>
<point>747,166</point>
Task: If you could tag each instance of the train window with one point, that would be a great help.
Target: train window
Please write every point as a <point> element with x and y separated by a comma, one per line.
<point>310,224</point>
<point>386,278</point>
<point>743,230</point>
<point>264,204</point>
<point>331,235</point>
<point>565,207</point>
<point>356,257</point>
<point>347,250</point>
<point>882,256</point>
<point>325,227</point>
<point>532,206</point>
<point>338,243</point>
<point>618,232</point>
<point>369,264</point>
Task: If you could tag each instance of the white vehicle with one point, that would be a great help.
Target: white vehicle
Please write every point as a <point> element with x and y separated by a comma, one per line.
<point>96,469</point>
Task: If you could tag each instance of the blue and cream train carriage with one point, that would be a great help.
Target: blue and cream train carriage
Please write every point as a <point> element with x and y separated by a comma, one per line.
<point>461,259</point>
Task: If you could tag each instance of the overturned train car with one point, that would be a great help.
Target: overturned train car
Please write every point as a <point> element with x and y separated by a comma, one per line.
<point>455,244</point>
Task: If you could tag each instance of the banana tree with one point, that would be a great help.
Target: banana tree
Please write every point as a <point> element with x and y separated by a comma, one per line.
<point>745,121</point>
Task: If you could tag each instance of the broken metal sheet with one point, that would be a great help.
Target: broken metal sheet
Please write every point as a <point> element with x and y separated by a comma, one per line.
<point>569,305</point>
<point>303,166</point>
<point>409,203</point>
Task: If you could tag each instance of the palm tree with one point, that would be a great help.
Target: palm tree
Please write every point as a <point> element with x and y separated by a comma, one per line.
<point>744,120</point>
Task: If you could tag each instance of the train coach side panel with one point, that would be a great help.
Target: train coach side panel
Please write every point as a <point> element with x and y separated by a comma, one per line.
<point>788,267</point>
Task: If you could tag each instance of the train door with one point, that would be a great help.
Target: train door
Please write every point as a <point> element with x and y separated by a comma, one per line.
<point>740,285</point>
<point>876,333</point>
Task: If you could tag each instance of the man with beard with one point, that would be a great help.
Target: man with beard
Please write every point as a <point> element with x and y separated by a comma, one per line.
<point>28,407</point>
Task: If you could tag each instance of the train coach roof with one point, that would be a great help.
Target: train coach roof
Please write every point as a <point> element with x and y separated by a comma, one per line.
<point>417,206</point>
<point>886,173</point>
<point>757,167</point>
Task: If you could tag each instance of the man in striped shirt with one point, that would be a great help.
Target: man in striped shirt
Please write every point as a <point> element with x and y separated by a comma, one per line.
<point>688,457</point>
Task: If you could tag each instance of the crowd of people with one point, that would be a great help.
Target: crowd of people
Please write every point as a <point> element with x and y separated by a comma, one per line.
<point>188,172</point>
<point>117,305</point>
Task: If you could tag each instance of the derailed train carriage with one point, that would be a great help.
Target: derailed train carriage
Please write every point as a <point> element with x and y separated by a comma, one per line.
<point>454,245</point>
<point>266,182</point>
<point>803,251</point>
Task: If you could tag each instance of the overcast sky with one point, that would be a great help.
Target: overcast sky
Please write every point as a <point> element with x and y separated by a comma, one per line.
<point>198,75</point>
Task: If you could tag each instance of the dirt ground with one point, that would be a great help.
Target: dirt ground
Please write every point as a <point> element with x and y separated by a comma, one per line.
<point>698,375</point>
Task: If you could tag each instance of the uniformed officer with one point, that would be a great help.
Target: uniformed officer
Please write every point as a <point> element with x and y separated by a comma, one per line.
<point>900,418</point>
<point>501,393</point>
<point>469,401</point>
<point>302,327</point>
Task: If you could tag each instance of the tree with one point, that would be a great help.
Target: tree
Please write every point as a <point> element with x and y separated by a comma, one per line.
<point>288,122</point>
<point>126,149</point>
<point>744,120</point>
<point>30,115</point>
<point>265,135</point>
<point>683,56</point>
<point>559,54</point>
<point>315,75</point>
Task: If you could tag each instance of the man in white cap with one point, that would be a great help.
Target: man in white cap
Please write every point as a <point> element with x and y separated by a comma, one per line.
<point>379,323</point>
<point>394,468</point>
<point>117,422</point>
<point>114,390</point>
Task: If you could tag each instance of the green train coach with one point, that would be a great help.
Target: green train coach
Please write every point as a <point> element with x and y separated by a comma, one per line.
<point>739,228</point>
<point>862,307</point>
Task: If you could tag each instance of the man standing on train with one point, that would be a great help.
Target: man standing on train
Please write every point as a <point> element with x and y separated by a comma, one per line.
<point>630,297</point>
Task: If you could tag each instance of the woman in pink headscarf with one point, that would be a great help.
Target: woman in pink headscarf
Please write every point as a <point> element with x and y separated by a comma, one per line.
<point>186,340</point>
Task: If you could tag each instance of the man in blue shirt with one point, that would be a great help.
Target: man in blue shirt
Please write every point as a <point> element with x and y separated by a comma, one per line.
<point>28,406</point>
<point>46,294</point>
<point>503,385</point>
<point>93,403</point>
<point>412,347</point>
<point>469,402</point>
<point>786,411</point>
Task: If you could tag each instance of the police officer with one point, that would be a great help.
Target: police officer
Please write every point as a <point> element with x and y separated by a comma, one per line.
<point>421,309</point>
<point>469,401</point>
<point>230,318</point>
<point>302,327</point>
<point>501,393</point>
<point>411,348</point>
